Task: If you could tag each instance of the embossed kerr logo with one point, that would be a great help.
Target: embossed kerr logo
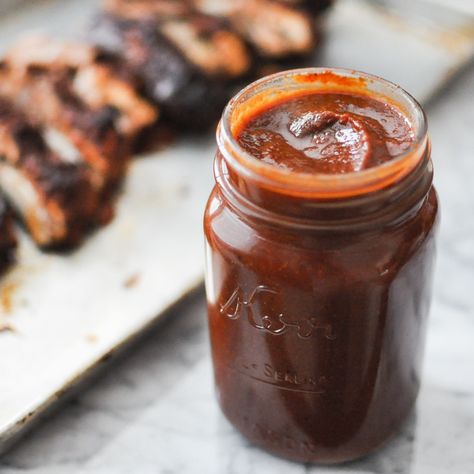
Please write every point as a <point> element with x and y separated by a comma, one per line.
<point>237,306</point>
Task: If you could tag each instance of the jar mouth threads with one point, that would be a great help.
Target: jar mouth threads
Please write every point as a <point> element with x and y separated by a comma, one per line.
<point>290,84</point>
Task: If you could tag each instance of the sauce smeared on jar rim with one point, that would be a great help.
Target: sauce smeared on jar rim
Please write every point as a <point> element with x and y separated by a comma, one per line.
<point>325,132</point>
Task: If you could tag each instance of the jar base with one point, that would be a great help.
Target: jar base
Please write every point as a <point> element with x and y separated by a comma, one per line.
<point>330,456</point>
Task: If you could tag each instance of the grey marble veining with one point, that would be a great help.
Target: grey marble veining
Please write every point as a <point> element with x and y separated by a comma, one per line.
<point>154,411</point>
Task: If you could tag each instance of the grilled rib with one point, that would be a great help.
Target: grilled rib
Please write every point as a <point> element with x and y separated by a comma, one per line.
<point>186,61</point>
<point>64,158</point>
<point>92,133</point>
<point>57,200</point>
<point>81,80</point>
<point>203,40</point>
<point>95,81</point>
<point>274,29</point>
<point>205,43</point>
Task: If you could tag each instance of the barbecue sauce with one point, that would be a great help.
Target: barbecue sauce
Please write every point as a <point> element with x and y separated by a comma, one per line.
<point>327,133</point>
<point>318,289</point>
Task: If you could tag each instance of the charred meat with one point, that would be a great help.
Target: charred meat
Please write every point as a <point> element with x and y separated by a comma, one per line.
<point>98,86</point>
<point>97,80</point>
<point>57,200</point>
<point>63,160</point>
<point>203,40</point>
<point>82,97</point>
<point>57,107</point>
<point>273,29</point>
<point>190,54</point>
<point>187,61</point>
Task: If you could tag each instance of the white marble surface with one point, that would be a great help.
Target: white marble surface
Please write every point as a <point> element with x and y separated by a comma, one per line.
<point>153,411</point>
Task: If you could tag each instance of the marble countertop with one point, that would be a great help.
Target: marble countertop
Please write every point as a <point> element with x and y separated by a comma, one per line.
<point>153,410</point>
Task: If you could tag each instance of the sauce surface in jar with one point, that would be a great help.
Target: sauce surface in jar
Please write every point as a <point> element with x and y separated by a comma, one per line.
<point>327,133</point>
<point>320,243</point>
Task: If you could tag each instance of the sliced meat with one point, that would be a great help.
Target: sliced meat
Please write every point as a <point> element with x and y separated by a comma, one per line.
<point>186,65</point>
<point>274,29</point>
<point>8,242</point>
<point>58,201</point>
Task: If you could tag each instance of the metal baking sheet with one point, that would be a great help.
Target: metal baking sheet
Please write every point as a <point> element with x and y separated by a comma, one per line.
<point>60,315</point>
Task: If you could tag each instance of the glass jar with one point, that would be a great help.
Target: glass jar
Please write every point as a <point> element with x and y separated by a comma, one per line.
<point>318,285</point>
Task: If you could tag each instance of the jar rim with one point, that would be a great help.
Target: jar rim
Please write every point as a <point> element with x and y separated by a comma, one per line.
<point>322,185</point>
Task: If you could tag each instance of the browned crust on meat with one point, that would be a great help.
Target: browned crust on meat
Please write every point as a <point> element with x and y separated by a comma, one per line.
<point>99,86</point>
<point>204,40</point>
<point>89,103</point>
<point>65,196</point>
<point>96,83</point>
<point>91,131</point>
<point>187,96</point>
<point>275,30</point>
<point>206,43</point>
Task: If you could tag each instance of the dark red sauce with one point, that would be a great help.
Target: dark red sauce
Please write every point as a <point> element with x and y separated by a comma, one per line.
<point>327,133</point>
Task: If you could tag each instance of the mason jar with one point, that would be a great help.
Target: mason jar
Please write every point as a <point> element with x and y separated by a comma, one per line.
<point>318,285</point>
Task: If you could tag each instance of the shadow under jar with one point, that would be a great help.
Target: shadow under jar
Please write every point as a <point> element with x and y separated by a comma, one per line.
<point>318,283</point>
